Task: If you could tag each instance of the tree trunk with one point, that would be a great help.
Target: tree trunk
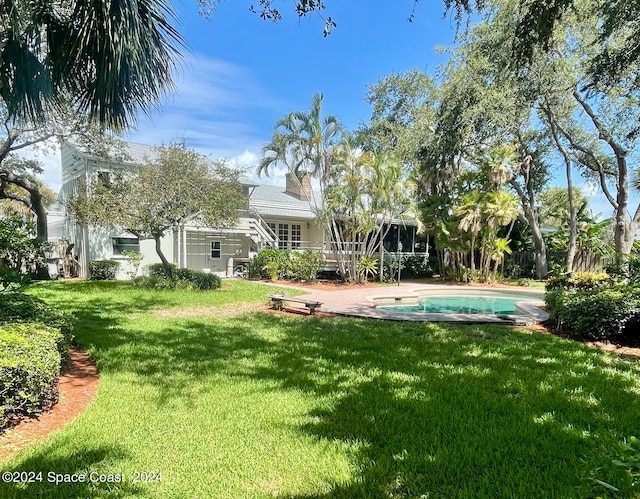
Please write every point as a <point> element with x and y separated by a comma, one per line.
<point>540,251</point>
<point>42,231</point>
<point>573,230</point>
<point>623,236</point>
<point>165,263</point>
<point>528,202</point>
<point>35,204</point>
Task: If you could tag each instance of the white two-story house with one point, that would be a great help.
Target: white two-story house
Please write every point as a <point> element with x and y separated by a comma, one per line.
<point>281,217</point>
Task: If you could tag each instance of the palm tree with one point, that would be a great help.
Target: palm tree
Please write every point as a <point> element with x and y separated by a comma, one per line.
<point>470,211</point>
<point>499,209</point>
<point>368,191</point>
<point>305,142</point>
<point>108,57</point>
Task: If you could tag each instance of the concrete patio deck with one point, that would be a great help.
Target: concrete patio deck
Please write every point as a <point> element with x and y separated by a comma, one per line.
<point>360,302</point>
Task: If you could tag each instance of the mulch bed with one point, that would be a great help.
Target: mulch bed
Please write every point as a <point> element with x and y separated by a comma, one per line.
<point>77,387</point>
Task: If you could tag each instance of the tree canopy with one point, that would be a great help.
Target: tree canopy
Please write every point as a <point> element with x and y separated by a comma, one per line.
<point>178,186</point>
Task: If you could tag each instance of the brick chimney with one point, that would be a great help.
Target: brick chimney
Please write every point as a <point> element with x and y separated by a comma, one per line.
<point>299,188</point>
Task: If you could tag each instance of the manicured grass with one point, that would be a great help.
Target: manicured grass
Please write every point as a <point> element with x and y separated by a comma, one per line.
<point>261,405</point>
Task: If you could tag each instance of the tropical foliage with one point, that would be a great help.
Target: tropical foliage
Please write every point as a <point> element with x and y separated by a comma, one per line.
<point>20,251</point>
<point>107,59</point>
<point>362,189</point>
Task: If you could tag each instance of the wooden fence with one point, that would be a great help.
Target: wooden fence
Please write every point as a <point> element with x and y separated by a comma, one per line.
<point>522,263</point>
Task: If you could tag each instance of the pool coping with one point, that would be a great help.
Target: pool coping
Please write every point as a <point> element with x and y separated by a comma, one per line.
<point>533,312</point>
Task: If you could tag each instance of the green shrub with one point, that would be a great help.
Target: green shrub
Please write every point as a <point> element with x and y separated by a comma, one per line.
<point>29,370</point>
<point>304,265</point>
<point>183,274</point>
<point>204,281</point>
<point>157,269</point>
<point>182,279</point>
<point>629,270</point>
<point>20,252</point>
<point>272,263</point>
<point>254,268</point>
<point>390,268</point>
<point>417,266</point>
<point>553,300</point>
<point>578,280</point>
<point>17,307</point>
<point>601,313</point>
<point>103,270</point>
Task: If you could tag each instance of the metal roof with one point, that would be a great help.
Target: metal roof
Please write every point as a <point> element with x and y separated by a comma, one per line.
<point>273,200</point>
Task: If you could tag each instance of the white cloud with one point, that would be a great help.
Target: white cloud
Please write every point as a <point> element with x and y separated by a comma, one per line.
<point>214,108</point>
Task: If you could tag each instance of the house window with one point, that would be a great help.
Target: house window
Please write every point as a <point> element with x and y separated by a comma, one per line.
<point>121,244</point>
<point>283,235</point>
<point>216,249</point>
<point>296,233</point>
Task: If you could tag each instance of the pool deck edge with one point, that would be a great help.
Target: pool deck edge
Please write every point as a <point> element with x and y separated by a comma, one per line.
<point>361,303</point>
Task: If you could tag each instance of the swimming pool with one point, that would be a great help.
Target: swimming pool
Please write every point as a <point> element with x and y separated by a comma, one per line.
<point>461,304</point>
<point>464,304</point>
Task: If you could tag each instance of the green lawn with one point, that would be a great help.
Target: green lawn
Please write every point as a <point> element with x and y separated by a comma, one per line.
<point>259,405</point>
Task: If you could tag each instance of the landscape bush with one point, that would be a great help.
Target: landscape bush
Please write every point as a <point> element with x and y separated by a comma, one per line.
<point>578,280</point>
<point>20,252</point>
<point>304,265</point>
<point>157,269</point>
<point>628,271</point>
<point>182,279</point>
<point>18,307</point>
<point>269,263</point>
<point>416,266</point>
<point>29,370</point>
<point>601,313</point>
<point>103,270</point>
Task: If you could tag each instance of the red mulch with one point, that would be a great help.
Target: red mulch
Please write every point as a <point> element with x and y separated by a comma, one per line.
<point>77,387</point>
<point>630,350</point>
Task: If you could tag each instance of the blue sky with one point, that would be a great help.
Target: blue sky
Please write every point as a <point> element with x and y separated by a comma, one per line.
<point>241,74</point>
<point>244,73</point>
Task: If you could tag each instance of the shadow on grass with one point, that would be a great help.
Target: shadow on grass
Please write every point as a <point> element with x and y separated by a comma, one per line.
<point>450,411</point>
<point>89,462</point>
<point>425,410</point>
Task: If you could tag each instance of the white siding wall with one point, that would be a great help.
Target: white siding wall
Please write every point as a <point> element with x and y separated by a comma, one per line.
<point>199,254</point>
<point>101,248</point>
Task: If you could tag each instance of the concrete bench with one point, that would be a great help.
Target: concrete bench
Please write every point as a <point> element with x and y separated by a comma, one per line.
<point>277,302</point>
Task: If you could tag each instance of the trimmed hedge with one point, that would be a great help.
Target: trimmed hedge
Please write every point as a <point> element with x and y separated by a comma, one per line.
<point>600,313</point>
<point>16,307</point>
<point>29,370</point>
<point>103,270</point>
<point>157,269</point>
<point>182,279</point>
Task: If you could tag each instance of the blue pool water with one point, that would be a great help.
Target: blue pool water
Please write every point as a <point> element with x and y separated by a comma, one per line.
<point>481,305</point>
